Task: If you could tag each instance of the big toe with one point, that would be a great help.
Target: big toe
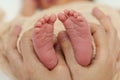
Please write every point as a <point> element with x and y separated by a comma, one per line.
<point>52,18</point>
<point>62,17</point>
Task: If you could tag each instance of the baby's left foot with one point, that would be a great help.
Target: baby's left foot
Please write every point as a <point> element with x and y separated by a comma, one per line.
<point>43,41</point>
<point>79,32</point>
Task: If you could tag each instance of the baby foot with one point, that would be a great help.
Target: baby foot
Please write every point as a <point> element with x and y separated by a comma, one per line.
<point>78,31</point>
<point>43,41</point>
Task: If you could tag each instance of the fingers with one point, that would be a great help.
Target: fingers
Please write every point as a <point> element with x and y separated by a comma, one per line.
<point>99,35</point>
<point>67,48</point>
<point>61,62</point>
<point>104,20</point>
<point>107,24</point>
<point>61,66</point>
<point>109,28</point>
<point>26,46</point>
<point>13,56</point>
<point>101,44</point>
<point>13,36</point>
<point>60,55</point>
<point>28,53</point>
<point>12,53</point>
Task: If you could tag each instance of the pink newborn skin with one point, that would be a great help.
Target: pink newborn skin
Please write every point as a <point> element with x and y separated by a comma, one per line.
<point>79,33</point>
<point>43,41</point>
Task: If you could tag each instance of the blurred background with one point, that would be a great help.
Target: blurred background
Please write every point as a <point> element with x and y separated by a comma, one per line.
<point>12,7</point>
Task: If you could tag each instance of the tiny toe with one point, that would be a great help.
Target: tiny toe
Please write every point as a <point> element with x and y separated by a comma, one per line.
<point>46,18</point>
<point>62,17</point>
<point>67,12</point>
<point>76,14</point>
<point>38,25</point>
<point>52,18</point>
<point>71,12</point>
<point>42,20</point>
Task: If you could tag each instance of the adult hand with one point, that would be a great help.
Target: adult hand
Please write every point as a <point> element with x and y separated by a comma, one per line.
<point>103,66</point>
<point>26,66</point>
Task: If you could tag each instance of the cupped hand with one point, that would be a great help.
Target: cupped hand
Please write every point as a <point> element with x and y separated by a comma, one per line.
<point>103,65</point>
<point>26,65</point>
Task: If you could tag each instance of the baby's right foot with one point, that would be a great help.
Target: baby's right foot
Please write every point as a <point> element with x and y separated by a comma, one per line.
<point>78,31</point>
<point>43,41</point>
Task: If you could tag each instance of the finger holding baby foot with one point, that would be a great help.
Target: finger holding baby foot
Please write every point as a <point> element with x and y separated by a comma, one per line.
<point>14,57</point>
<point>12,37</point>
<point>29,68</point>
<point>29,56</point>
<point>43,41</point>
<point>61,70</point>
<point>31,62</point>
<point>37,70</point>
<point>112,35</point>
<point>78,31</point>
<point>106,23</point>
<point>102,63</point>
<point>105,20</point>
<point>67,49</point>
